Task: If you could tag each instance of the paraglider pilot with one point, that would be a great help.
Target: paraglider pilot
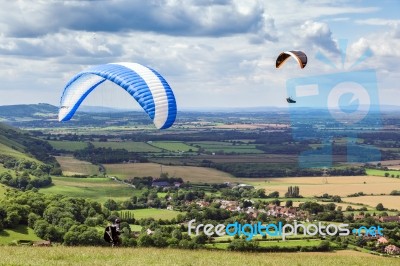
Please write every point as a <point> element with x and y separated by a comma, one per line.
<point>112,232</point>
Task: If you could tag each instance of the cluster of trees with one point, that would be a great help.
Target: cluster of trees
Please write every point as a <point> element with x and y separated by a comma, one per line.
<point>293,148</point>
<point>315,208</point>
<point>243,193</point>
<point>170,236</point>
<point>147,181</point>
<point>357,194</point>
<point>348,171</point>
<point>148,198</point>
<point>107,155</point>
<point>24,181</point>
<point>54,217</point>
<point>395,193</point>
<point>26,174</point>
<point>327,197</point>
<point>293,192</point>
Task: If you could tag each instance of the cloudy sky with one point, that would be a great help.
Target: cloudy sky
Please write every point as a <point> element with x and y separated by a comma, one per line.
<point>213,53</point>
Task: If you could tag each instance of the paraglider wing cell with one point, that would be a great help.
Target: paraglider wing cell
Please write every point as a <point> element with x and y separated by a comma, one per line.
<point>108,236</point>
<point>300,57</point>
<point>144,84</point>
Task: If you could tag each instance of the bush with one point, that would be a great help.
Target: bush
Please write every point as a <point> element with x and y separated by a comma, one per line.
<point>145,241</point>
<point>380,207</point>
<point>82,235</point>
<point>324,246</point>
<point>243,245</point>
<point>129,242</point>
<point>187,244</point>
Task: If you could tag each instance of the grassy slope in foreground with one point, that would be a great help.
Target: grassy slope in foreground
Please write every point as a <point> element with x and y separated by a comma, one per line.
<point>150,256</point>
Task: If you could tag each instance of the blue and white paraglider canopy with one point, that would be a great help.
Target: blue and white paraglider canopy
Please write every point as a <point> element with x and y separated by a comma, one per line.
<point>144,84</point>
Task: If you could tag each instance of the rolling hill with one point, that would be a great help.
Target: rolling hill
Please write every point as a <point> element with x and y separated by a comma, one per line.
<point>27,111</point>
<point>18,144</point>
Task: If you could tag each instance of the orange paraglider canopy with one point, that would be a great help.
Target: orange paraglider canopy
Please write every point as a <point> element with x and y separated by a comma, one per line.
<point>300,57</point>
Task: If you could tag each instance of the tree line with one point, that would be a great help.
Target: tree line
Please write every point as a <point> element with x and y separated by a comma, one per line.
<point>107,155</point>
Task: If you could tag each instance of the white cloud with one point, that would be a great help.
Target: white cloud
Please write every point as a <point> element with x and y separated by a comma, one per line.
<point>318,35</point>
<point>212,52</point>
<point>379,22</point>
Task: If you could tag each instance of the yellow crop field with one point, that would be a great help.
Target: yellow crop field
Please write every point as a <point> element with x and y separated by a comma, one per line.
<point>391,202</point>
<point>336,185</point>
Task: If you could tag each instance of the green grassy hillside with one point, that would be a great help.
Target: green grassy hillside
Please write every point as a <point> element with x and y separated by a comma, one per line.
<point>10,152</point>
<point>19,144</point>
<point>150,256</point>
<point>11,143</point>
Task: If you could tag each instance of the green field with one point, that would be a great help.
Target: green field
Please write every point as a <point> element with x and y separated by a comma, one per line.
<point>154,213</point>
<point>98,189</point>
<point>68,145</point>
<point>388,201</point>
<point>226,147</point>
<point>71,166</point>
<point>377,172</point>
<point>22,232</point>
<point>175,146</point>
<point>127,145</point>
<point>60,255</point>
<point>10,143</point>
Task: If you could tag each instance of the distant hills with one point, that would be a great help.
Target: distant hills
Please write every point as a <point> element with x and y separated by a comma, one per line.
<point>44,111</point>
<point>28,110</point>
<point>374,108</point>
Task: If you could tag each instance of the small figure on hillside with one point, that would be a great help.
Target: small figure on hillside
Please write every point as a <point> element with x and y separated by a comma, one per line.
<point>112,232</point>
